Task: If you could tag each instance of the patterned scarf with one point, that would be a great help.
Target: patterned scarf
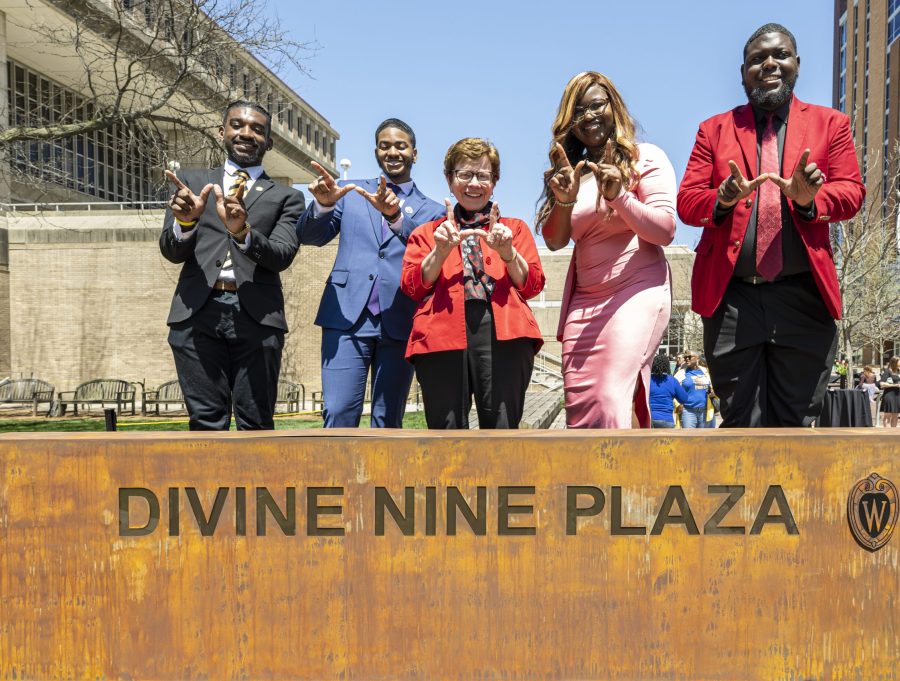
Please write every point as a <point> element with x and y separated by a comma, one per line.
<point>477,283</point>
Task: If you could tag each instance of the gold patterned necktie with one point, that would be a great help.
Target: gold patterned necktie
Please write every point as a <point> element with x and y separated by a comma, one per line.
<point>241,177</point>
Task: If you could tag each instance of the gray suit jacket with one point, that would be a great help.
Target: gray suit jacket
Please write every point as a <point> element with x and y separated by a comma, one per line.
<point>272,211</point>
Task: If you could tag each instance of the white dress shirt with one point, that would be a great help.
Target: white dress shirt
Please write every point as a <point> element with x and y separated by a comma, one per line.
<point>228,178</point>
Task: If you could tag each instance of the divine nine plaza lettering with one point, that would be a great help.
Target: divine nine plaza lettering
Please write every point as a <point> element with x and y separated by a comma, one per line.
<point>431,511</point>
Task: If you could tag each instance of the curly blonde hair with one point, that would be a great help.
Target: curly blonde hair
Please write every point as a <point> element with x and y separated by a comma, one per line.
<point>626,150</point>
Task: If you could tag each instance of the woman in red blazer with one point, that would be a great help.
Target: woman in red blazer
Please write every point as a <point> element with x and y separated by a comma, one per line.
<point>471,273</point>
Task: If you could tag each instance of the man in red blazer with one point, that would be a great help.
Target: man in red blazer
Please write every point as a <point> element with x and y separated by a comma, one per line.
<point>764,180</point>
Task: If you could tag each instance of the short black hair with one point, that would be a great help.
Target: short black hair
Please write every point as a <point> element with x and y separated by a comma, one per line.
<point>770,28</point>
<point>247,104</point>
<point>660,365</point>
<point>400,125</point>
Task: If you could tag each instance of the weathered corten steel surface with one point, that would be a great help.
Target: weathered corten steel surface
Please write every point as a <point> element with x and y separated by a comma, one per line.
<point>80,601</point>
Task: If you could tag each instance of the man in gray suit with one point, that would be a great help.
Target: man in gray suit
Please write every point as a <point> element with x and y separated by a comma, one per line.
<point>227,323</point>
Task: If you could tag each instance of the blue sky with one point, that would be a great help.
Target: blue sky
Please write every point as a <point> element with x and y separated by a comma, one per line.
<point>497,70</point>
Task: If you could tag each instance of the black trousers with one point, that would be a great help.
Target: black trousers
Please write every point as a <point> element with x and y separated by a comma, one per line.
<point>496,372</point>
<point>224,359</point>
<point>770,348</point>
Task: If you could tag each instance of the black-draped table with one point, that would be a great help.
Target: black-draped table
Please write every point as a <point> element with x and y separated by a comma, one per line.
<point>846,408</point>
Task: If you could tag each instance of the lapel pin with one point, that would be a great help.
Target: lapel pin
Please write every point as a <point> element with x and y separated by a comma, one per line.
<point>258,188</point>
<point>408,210</point>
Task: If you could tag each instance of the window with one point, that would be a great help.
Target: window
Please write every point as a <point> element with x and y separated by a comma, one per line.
<point>117,164</point>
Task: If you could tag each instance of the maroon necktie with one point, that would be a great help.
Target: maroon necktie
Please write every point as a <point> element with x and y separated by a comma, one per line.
<point>768,210</point>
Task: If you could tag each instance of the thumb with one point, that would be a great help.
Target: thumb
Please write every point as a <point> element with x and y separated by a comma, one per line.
<point>754,183</point>
<point>204,193</point>
<point>779,180</point>
<point>239,194</point>
<point>217,190</point>
<point>735,171</point>
<point>578,168</point>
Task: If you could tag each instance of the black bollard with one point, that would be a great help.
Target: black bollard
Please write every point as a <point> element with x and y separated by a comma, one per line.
<point>110,415</point>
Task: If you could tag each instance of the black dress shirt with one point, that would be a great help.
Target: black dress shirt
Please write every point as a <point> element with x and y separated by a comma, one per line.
<point>793,253</point>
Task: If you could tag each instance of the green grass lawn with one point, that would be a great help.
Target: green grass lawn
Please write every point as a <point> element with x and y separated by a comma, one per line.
<point>414,420</point>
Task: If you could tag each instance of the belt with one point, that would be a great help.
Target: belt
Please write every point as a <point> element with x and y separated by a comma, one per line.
<point>223,285</point>
<point>755,281</point>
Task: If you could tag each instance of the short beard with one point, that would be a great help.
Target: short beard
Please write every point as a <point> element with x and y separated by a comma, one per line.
<point>244,160</point>
<point>770,100</point>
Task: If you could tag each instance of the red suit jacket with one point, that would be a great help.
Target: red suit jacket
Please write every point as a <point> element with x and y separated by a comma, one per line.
<point>732,136</point>
<point>440,320</point>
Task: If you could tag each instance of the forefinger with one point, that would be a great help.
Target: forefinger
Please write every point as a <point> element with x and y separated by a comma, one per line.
<point>609,152</point>
<point>560,159</point>
<point>173,178</point>
<point>450,217</point>
<point>322,172</point>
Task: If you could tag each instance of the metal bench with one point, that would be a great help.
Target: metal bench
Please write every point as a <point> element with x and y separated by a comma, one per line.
<point>292,395</point>
<point>169,393</point>
<point>31,391</point>
<point>100,391</point>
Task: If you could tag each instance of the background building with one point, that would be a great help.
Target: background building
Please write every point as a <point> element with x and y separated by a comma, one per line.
<point>867,88</point>
<point>866,53</point>
<point>84,292</point>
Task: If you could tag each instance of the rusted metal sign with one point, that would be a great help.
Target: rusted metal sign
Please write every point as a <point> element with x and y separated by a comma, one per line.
<point>365,555</point>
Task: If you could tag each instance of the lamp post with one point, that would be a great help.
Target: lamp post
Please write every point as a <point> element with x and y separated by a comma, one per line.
<point>345,166</point>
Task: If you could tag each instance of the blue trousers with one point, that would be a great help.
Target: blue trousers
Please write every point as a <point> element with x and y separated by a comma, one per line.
<point>693,418</point>
<point>347,359</point>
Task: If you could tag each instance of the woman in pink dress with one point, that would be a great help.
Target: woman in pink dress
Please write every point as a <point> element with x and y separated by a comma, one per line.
<point>615,199</point>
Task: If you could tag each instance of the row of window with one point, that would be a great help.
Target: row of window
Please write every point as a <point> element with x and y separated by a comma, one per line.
<point>238,79</point>
<point>119,163</point>
<point>893,24</point>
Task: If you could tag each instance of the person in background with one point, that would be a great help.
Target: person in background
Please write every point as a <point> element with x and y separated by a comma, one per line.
<point>695,382</point>
<point>890,398</point>
<point>663,390</point>
<point>712,401</point>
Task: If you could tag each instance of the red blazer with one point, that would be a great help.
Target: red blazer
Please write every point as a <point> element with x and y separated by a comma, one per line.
<point>440,321</point>
<point>732,136</point>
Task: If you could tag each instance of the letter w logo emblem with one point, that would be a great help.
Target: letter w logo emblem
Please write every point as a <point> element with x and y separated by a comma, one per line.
<point>872,510</point>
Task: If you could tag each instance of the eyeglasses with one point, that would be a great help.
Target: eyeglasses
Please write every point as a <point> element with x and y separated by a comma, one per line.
<point>594,109</point>
<point>482,176</point>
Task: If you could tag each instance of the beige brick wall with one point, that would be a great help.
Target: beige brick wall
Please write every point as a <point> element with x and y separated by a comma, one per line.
<point>5,342</point>
<point>89,294</point>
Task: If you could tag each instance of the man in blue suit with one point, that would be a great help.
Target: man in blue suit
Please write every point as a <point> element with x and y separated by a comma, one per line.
<point>365,319</point>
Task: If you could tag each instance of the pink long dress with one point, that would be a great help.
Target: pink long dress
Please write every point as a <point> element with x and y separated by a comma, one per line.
<point>617,300</point>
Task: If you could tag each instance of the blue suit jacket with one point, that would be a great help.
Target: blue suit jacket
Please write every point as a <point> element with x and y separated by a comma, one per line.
<point>363,254</point>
